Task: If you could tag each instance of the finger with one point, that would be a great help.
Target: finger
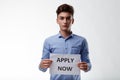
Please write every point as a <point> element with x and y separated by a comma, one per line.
<point>47,61</point>
<point>46,64</point>
<point>83,67</point>
<point>78,64</point>
<point>83,63</point>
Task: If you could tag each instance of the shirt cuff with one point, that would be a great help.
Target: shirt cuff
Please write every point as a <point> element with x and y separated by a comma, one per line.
<point>89,67</point>
<point>43,69</point>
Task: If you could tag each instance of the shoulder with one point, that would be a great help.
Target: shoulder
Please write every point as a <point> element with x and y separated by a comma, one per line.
<point>79,37</point>
<point>81,40</point>
<point>51,38</point>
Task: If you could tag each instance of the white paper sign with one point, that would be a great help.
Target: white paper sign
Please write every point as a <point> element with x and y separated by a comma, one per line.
<point>65,64</point>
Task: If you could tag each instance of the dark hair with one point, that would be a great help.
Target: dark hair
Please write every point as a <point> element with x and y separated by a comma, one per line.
<point>65,8</point>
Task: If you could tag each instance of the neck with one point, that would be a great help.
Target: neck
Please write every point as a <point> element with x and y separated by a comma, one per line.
<point>65,34</point>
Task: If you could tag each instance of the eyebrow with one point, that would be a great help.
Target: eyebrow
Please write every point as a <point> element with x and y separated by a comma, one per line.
<point>64,17</point>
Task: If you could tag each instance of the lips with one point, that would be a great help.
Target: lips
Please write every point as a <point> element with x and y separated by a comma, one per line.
<point>65,26</point>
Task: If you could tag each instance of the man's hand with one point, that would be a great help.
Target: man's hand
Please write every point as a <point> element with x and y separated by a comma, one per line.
<point>83,66</point>
<point>45,63</point>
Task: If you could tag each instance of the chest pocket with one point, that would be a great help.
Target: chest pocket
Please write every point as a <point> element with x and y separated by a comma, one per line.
<point>57,49</point>
<point>75,49</point>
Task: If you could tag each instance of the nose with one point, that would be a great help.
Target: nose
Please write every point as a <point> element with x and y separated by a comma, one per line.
<point>65,21</point>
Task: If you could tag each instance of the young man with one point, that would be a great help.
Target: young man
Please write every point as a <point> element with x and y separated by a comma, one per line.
<point>65,42</point>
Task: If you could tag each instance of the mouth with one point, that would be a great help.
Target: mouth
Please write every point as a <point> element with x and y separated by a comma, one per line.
<point>65,25</point>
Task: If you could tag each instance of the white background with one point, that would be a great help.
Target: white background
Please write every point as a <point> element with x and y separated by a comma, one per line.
<point>24,25</point>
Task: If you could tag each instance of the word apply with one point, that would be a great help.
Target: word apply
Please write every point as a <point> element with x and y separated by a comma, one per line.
<point>66,60</point>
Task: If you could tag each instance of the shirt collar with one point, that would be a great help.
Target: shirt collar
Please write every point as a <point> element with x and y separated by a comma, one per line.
<point>60,36</point>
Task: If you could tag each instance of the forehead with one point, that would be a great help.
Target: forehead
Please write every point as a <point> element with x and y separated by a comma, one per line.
<point>65,14</point>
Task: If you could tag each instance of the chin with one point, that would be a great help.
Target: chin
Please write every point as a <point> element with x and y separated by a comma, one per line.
<point>65,29</point>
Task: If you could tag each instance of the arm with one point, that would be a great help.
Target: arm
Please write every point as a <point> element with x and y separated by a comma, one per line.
<point>85,64</point>
<point>45,62</point>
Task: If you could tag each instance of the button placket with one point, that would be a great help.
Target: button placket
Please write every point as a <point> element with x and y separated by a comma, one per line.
<point>66,46</point>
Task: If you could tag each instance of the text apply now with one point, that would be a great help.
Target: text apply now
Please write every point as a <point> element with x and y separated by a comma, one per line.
<point>65,64</point>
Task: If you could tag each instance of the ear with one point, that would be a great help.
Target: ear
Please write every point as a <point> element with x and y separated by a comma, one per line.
<point>72,20</point>
<point>57,20</point>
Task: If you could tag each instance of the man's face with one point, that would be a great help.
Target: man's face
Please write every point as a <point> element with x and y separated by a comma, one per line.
<point>65,20</point>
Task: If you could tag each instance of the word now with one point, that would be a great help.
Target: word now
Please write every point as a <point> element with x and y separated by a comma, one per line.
<point>64,68</point>
<point>68,60</point>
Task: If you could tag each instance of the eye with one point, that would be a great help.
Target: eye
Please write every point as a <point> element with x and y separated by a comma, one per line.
<point>68,18</point>
<point>61,18</point>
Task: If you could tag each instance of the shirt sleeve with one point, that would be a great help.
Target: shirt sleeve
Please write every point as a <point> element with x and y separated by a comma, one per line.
<point>85,54</point>
<point>46,50</point>
<point>45,54</point>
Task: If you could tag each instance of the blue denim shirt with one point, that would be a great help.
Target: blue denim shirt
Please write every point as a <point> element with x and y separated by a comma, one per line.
<point>73,44</point>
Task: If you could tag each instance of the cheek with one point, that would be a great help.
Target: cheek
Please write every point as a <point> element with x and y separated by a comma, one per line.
<point>59,22</point>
